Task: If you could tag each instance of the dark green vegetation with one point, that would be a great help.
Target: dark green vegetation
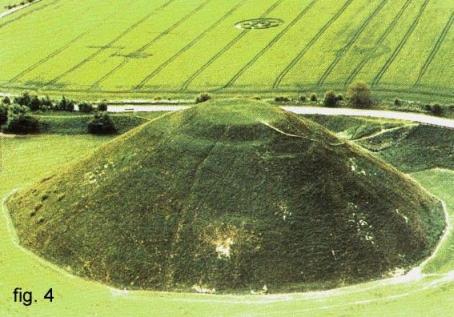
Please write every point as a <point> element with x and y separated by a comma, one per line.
<point>78,124</point>
<point>410,147</point>
<point>230,195</point>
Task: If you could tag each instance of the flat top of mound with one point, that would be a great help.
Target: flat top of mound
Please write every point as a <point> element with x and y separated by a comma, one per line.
<point>228,195</point>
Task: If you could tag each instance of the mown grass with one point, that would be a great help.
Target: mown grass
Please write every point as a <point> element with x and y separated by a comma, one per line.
<point>174,47</point>
<point>26,162</point>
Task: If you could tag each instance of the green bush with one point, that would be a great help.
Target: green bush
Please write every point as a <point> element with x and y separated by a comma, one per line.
<point>314,97</point>
<point>3,114</point>
<point>436,110</point>
<point>330,99</point>
<point>23,100</point>
<point>102,106</point>
<point>22,124</point>
<point>65,105</point>
<point>6,100</point>
<point>16,109</point>
<point>359,95</point>
<point>35,103</point>
<point>397,102</point>
<point>302,98</point>
<point>282,99</point>
<point>46,104</point>
<point>85,107</point>
<point>101,124</point>
<point>202,98</point>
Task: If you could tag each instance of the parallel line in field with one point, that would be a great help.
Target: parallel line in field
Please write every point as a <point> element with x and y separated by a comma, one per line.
<point>148,44</point>
<point>401,45</point>
<point>100,50</point>
<point>47,58</point>
<point>187,47</point>
<point>340,54</point>
<point>303,52</point>
<point>31,11</point>
<point>382,38</point>
<point>435,49</point>
<point>270,44</point>
<point>225,49</point>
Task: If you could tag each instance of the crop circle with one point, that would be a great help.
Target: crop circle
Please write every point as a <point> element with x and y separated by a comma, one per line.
<point>259,23</point>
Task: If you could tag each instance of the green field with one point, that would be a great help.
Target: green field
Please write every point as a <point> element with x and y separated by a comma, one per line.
<point>178,47</point>
<point>25,160</point>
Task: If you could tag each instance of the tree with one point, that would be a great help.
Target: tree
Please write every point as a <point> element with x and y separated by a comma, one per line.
<point>359,95</point>
<point>23,100</point>
<point>102,106</point>
<point>202,98</point>
<point>436,110</point>
<point>313,97</point>
<point>6,100</point>
<point>19,121</point>
<point>101,124</point>
<point>35,103</point>
<point>85,107</point>
<point>3,114</point>
<point>46,103</point>
<point>330,99</point>
<point>65,105</point>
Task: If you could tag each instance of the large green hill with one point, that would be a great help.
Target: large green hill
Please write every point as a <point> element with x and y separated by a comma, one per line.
<point>229,195</point>
<point>137,48</point>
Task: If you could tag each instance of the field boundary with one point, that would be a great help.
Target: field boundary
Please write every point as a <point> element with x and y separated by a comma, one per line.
<point>301,54</point>
<point>401,45</point>
<point>340,54</point>
<point>228,46</point>
<point>435,49</point>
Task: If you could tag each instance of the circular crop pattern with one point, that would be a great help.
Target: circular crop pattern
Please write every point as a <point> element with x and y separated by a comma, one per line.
<point>260,23</point>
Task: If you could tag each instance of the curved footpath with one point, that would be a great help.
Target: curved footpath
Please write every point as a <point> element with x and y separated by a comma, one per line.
<point>407,116</point>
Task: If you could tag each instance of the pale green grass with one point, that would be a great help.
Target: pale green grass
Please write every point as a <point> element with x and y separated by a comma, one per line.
<point>113,48</point>
<point>441,183</point>
<point>28,159</point>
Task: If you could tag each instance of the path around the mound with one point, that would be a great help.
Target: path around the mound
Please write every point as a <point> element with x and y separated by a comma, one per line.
<point>384,114</point>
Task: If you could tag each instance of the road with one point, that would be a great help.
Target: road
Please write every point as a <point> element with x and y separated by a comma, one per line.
<point>385,114</point>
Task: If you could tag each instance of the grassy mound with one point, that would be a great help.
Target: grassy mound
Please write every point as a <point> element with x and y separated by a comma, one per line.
<point>228,195</point>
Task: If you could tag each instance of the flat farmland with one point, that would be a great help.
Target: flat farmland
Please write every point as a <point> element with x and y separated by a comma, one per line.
<point>177,47</point>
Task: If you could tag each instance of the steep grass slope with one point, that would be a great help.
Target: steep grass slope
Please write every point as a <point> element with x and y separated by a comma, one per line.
<point>230,195</point>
